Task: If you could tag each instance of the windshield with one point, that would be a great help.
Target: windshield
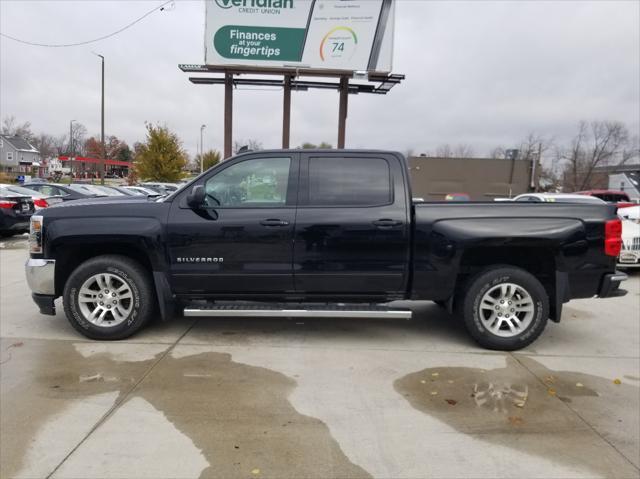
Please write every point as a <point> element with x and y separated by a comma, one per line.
<point>20,190</point>
<point>106,190</point>
<point>84,189</point>
<point>4,191</point>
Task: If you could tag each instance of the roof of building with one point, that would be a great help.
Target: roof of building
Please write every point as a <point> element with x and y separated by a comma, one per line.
<point>19,143</point>
<point>612,169</point>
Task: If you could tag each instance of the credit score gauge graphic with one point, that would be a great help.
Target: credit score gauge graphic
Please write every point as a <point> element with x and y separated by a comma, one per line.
<point>331,34</point>
<point>339,43</point>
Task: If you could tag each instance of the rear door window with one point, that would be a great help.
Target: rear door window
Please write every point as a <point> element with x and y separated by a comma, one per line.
<point>349,181</point>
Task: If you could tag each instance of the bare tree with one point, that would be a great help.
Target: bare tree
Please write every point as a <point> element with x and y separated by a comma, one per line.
<point>444,151</point>
<point>498,153</point>
<point>534,149</point>
<point>463,150</point>
<point>253,145</point>
<point>596,144</point>
<point>59,144</point>
<point>460,150</point>
<point>45,144</point>
<point>78,135</point>
<point>11,127</point>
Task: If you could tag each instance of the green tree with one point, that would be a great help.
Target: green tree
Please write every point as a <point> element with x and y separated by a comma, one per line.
<point>210,158</point>
<point>160,157</point>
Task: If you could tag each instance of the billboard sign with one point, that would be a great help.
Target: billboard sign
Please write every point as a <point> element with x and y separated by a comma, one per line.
<point>332,34</point>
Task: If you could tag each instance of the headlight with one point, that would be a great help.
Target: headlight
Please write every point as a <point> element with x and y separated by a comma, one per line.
<point>35,235</point>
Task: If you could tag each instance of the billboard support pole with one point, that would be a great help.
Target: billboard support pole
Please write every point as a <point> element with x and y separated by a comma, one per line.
<point>228,114</point>
<point>286,112</point>
<point>342,111</point>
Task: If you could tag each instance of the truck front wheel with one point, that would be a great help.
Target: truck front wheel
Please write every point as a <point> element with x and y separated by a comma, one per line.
<point>109,297</point>
<point>504,308</point>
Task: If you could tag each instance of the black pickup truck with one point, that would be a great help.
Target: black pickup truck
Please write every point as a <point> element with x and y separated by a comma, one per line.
<point>319,233</point>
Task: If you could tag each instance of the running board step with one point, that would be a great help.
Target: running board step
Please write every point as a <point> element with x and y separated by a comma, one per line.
<point>295,311</point>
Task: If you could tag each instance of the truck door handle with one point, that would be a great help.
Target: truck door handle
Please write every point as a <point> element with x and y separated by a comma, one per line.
<point>386,223</point>
<point>274,222</point>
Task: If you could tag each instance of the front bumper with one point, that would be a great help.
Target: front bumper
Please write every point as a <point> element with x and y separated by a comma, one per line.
<point>610,285</point>
<point>41,275</point>
<point>629,259</point>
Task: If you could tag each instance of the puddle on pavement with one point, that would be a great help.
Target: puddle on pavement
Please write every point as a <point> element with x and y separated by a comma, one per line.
<point>496,403</point>
<point>239,416</point>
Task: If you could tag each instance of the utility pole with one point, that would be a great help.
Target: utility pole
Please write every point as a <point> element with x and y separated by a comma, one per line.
<point>104,150</point>
<point>201,149</point>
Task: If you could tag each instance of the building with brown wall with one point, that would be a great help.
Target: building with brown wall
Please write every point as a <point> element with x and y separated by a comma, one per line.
<point>483,179</point>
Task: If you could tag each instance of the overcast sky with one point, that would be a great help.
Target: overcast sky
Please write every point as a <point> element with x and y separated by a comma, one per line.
<point>483,73</point>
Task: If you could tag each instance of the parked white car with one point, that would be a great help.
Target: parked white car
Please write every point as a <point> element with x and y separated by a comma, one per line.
<point>630,253</point>
<point>557,198</point>
<point>39,200</point>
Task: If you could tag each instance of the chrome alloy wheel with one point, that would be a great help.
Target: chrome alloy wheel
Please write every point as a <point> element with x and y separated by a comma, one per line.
<point>506,310</point>
<point>105,300</point>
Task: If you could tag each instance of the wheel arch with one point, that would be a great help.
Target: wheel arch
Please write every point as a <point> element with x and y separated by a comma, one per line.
<point>70,256</point>
<point>538,261</point>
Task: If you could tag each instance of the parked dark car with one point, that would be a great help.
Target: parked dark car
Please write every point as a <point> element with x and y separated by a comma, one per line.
<point>15,212</point>
<point>305,233</point>
<point>66,192</point>
<point>98,190</point>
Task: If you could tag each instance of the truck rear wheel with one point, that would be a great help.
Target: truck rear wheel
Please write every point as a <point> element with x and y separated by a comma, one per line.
<point>504,308</point>
<point>109,297</point>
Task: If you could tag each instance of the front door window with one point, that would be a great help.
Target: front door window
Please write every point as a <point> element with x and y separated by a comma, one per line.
<point>250,184</point>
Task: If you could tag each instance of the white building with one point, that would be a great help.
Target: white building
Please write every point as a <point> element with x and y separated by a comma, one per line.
<point>629,182</point>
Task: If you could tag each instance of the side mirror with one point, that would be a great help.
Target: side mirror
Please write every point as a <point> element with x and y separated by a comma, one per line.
<point>195,199</point>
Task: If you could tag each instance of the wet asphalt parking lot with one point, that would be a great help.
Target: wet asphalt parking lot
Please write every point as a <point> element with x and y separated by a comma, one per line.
<point>332,398</point>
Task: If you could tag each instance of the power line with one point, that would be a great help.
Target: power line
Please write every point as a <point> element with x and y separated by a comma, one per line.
<point>104,37</point>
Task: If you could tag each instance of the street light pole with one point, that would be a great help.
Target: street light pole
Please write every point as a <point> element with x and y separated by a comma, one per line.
<point>71,138</point>
<point>201,149</point>
<point>104,151</point>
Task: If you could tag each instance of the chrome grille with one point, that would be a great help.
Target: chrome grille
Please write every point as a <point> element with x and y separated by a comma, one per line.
<point>631,245</point>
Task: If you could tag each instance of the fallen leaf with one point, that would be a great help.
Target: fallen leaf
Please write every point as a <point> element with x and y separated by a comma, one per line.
<point>579,385</point>
<point>516,420</point>
<point>423,381</point>
<point>551,391</point>
<point>17,345</point>
<point>434,393</point>
<point>451,402</point>
<point>435,375</point>
<point>519,404</point>
<point>255,471</point>
<point>549,379</point>
<point>617,381</point>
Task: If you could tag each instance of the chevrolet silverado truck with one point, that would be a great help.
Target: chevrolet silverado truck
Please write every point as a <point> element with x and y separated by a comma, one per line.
<point>319,233</point>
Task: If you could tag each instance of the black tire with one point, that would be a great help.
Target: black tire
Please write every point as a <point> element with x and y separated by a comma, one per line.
<point>127,270</point>
<point>468,307</point>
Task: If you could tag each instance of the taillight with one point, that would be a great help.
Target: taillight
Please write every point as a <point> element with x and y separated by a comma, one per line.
<point>612,237</point>
<point>40,202</point>
<point>35,234</point>
<point>7,204</point>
